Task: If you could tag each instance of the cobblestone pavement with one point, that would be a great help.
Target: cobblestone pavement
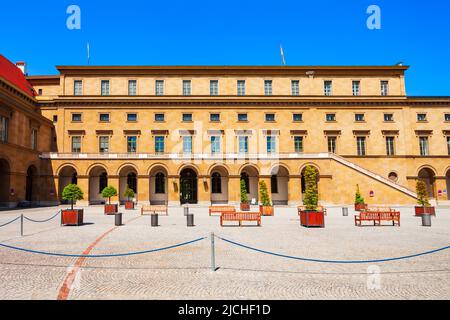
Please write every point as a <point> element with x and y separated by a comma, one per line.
<point>185,272</point>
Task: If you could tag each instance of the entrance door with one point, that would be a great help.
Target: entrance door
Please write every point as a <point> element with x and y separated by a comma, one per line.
<point>188,187</point>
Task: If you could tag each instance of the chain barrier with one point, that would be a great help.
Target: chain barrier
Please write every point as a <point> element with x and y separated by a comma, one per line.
<point>43,221</point>
<point>8,223</point>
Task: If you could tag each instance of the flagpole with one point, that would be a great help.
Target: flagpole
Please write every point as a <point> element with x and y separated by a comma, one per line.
<point>88,54</point>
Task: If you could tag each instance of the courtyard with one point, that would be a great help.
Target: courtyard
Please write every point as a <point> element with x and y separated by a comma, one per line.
<point>184,272</point>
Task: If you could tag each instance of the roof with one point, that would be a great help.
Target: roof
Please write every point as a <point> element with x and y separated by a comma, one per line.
<point>13,75</point>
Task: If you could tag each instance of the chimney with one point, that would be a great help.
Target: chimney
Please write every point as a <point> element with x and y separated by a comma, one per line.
<point>22,66</point>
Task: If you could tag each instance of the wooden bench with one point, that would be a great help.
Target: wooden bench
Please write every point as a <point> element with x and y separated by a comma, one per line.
<point>241,217</point>
<point>377,215</point>
<point>319,209</point>
<point>162,210</point>
<point>221,209</point>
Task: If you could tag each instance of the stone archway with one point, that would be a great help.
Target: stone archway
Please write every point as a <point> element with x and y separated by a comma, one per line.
<point>98,180</point>
<point>429,177</point>
<point>67,175</point>
<point>32,185</point>
<point>159,186</point>
<point>279,185</point>
<point>127,176</point>
<point>219,185</point>
<point>5,186</point>
<point>188,186</point>
<point>251,177</point>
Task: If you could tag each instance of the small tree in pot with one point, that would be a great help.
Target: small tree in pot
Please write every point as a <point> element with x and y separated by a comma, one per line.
<point>108,193</point>
<point>73,216</point>
<point>245,205</point>
<point>129,194</point>
<point>266,209</point>
<point>359,200</point>
<point>423,200</point>
<point>311,217</point>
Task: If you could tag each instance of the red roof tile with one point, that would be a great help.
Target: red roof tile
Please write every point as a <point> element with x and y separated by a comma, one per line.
<point>14,75</point>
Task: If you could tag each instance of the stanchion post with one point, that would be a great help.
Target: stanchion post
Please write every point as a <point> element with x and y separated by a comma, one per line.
<point>213,253</point>
<point>21,225</point>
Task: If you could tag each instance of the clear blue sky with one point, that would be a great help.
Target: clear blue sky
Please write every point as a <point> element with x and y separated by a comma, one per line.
<point>244,32</point>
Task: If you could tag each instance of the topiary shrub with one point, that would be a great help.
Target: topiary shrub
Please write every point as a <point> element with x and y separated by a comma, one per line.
<point>244,195</point>
<point>109,192</point>
<point>72,193</point>
<point>311,193</point>
<point>422,194</point>
<point>358,197</point>
<point>129,193</point>
<point>264,194</point>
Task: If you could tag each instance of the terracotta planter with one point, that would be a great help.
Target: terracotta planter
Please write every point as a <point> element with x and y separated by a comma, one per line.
<point>111,209</point>
<point>245,207</point>
<point>129,205</point>
<point>420,211</point>
<point>360,206</point>
<point>312,219</point>
<point>72,217</point>
<point>266,211</point>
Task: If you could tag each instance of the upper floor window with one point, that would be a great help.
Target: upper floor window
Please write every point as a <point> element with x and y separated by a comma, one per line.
<point>388,117</point>
<point>328,88</point>
<point>356,88</point>
<point>268,87</point>
<point>76,117</point>
<point>242,117</point>
<point>187,117</point>
<point>331,117</point>
<point>40,92</point>
<point>421,117</point>
<point>270,117</point>
<point>297,117</point>
<point>215,144</point>
<point>423,145</point>
<point>160,117</point>
<point>159,144</point>
<point>241,88</point>
<point>361,146</point>
<point>271,144</point>
<point>214,87</point>
<point>104,144</point>
<point>214,117</point>
<point>187,144</point>
<point>76,144</point>
<point>104,117</point>
<point>78,87</point>
<point>298,144</point>
<point>295,87</point>
<point>186,87</point>
<point>55,118</point>
<point>132,117</point>
<point>132,87</point>
<point>132,144</point>
<point>447,117</point>
<point>384,88</point>
<point>360,117</point>
<point>4,122</point>
<point>390,146</point>
<point>448,145</point>
<point>243,144</point>
<point>159,87</point>
<point>332,144</point>
<point>105,87</point>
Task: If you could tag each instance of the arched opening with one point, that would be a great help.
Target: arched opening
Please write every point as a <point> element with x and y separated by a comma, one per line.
<point>32,187</point>
<point>219,186</point>
<point>188,186</point>
<point>251,177</point>
<point>447,179</point>
<point>303,182</point>
<point>67,175</point>
<point>127,176</point>
<point>427,175</point>
<point>279,185</point>
<point>5,187</point>
<point>159,194</point>
<point>98,180</point>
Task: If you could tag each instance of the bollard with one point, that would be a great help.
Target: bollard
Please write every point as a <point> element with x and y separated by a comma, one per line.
<point>154,220</point>
<point>345,212</point>
<point>426,220</point>
<point>213,253</point>
<point>118,219</point>
<point>190,220</point>
<point>186,210</point>
<point>21,225</point>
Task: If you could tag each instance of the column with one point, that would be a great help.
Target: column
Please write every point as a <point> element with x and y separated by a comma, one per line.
<point>295,191</point>
<point>83,183</point>
<point>203,191</point>
<point>143,190</point>
<point>113,181</point>
<point>174,190</point>
<point>234,190</point>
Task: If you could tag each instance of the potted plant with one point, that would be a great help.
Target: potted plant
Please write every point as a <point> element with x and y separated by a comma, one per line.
<point>245,205</point>
<point>422,199</point>
<point>108,193</point>
<point>266,208</point>
<point>311,216</point>
<point>360,204</point>
<point>72,217</point>
<point>129,194</point>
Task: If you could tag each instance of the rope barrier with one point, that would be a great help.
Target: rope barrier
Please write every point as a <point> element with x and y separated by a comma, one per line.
<point>8,223</point>
<point>42,221</point>
<point>100,255</point>
<point>335,261</point>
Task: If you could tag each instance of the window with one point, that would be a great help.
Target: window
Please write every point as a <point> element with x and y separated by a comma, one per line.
<point>76,117</point>
<point>78,88</point>
<point>270,117</point>
<point>34,139</point>
<point>132,87</point>
<point>55,119</point>
<point>214,117</point>
<point>159,87</point>
<point>448,145</point>
<point>242,117</point>
<point>295,87</point>
<point>298,144</point>
<point>268,87</point>
<point>40,92</point>
<point>388,117</point>
<point>159,144</point>
<point>104,117</point>
<point>331,117</point>
<point>384,88</point>
<point>132,117</point>
<point>359,117</point>
<point>361,146</point>
<point>160,183</point>
<point>215,144</point>
<point>328,87</point>
<point>102,181</point>
<point>187,144</point>
<point>393,176</point>
<point>186,87</point>
<point>131,144</point>
<point>104,145</point>
<point>271,144</point>
<point>298,117</point>
<point>160,117</point>
<point>421,117</point>
<point>390,146</point>
<point>274,184</point>
<point>356,88</point>
<point>105,87</point>
<point>241,88</point>
<point>216,183</point>
<point>4,122</point>
<point>187,117</point>
<point>423,144</point>
<point>332,144</point>
<point>447,117</point>
<point>214,87</point>
<point>76,144</point>
<point>243,144</point>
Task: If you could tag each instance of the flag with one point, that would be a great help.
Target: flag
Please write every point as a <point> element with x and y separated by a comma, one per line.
<point>283,61</point>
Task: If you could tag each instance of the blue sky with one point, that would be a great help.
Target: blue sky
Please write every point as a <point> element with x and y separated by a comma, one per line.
<point>197,32</point>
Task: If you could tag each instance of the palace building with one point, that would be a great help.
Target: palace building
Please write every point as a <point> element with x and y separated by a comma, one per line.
<point>190,134</point>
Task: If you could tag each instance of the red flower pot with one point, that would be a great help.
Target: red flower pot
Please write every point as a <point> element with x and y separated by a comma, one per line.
<point>245,207</point>
<point>72,217</point>
<point>129,205</point>
<point>360,206</point>
<point>312,219</point>
<point>266,211</point>
<point>111,209</point>
<point>420,211</point>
